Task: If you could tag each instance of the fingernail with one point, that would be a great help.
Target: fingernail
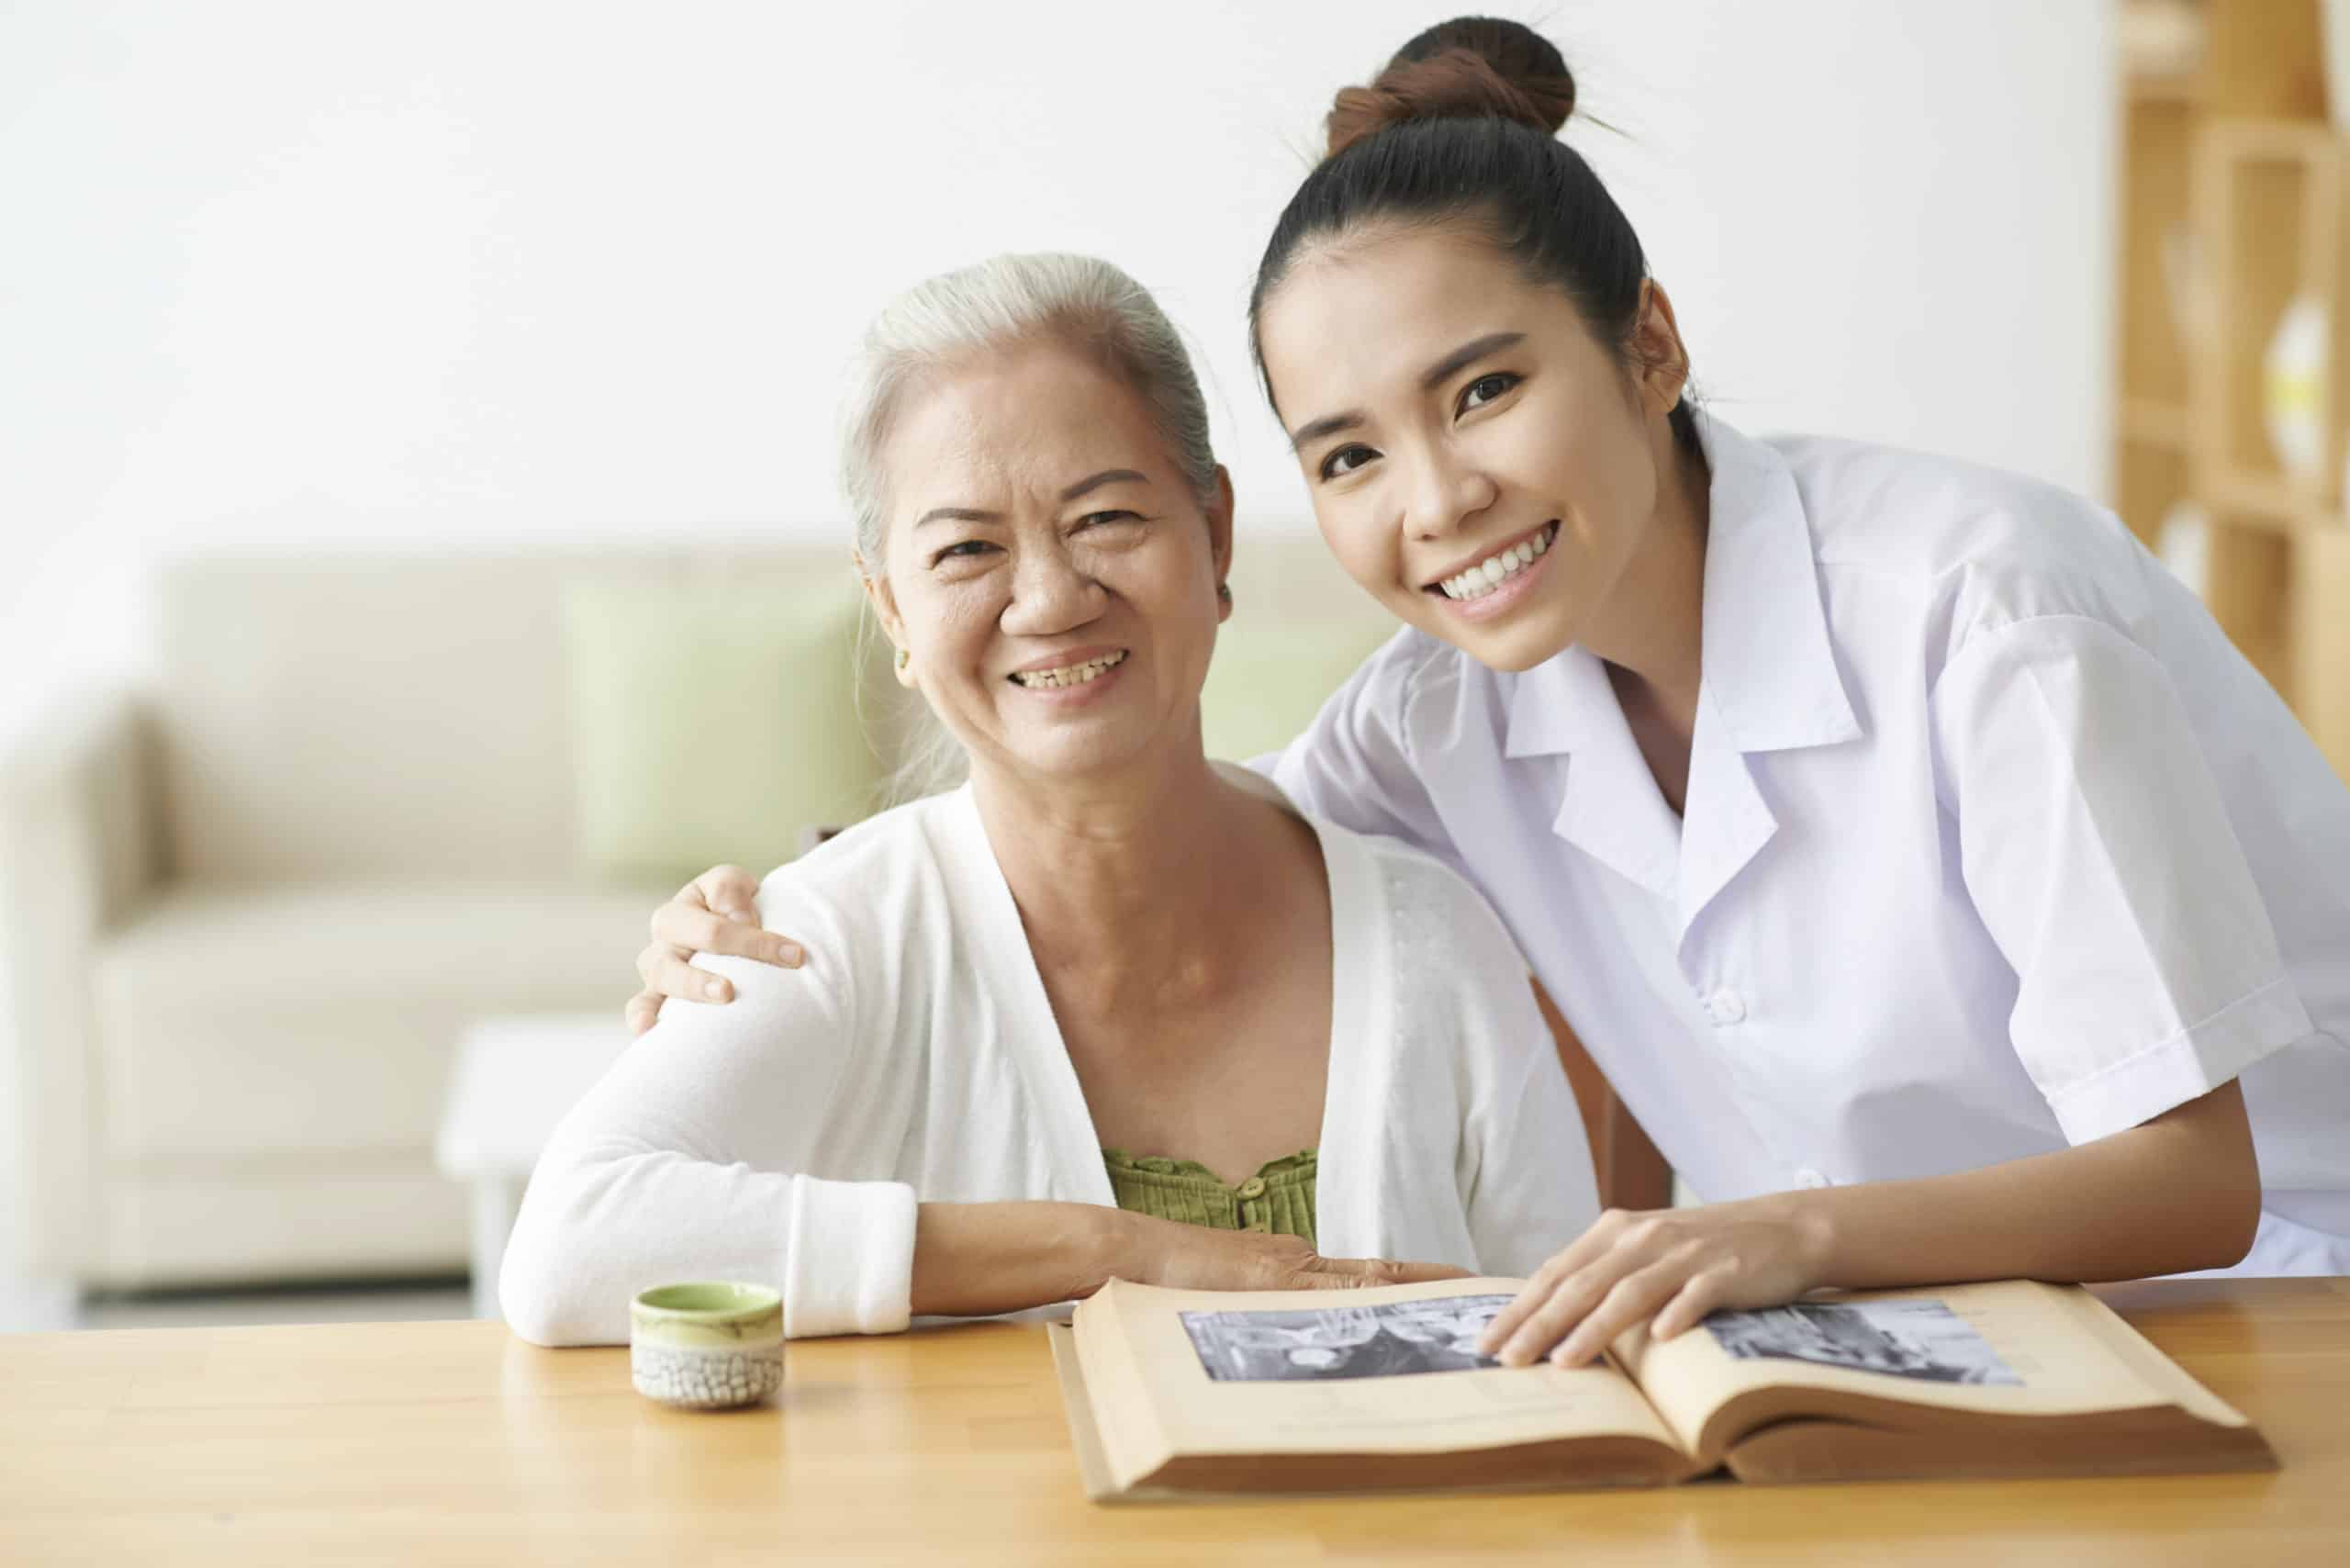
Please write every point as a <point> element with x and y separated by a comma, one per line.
<point>789,955</point>
<point>714,989</point>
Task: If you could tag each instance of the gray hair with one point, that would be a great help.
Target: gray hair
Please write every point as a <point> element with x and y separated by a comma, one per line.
<point>1001,301</point>
<point>997,303</point>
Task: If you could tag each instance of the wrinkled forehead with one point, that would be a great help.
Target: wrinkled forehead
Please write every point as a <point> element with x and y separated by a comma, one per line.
<point>1011,429</point>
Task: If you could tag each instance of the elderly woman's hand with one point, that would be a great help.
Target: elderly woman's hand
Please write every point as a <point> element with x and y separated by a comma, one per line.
<point>716,913</point>
<point>1194,1256</point>
<point>1667,1268</point>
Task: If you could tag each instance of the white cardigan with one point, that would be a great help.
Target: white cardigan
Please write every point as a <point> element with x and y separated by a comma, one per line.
<point>785,1137</point>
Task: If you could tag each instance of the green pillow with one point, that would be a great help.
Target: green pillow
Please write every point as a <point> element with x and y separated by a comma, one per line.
<point>714,719</point>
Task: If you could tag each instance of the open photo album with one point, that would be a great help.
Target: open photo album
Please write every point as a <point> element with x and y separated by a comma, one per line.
<point>1173,1394</point>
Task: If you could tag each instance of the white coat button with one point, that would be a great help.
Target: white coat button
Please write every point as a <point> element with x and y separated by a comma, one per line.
<point>1807,1177</point>
<point>1725,1007</point>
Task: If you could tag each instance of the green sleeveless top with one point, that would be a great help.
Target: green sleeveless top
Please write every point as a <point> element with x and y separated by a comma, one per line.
<point>1278,1200</point>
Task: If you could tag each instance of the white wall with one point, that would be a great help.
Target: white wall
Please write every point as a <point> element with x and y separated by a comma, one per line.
<point>283,269</point>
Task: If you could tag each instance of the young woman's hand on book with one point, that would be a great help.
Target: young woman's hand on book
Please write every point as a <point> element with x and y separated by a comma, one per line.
<point>1668,1268</point>
<point>718,911</point>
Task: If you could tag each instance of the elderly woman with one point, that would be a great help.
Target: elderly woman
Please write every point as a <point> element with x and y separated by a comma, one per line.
<point>1320,1047</point>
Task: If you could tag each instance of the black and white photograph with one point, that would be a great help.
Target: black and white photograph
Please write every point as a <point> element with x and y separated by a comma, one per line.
<point>1395,1340</point>
<point>1920,1339</point>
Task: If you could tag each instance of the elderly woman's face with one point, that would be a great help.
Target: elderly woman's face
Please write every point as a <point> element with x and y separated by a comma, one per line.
<point>1049,570</point>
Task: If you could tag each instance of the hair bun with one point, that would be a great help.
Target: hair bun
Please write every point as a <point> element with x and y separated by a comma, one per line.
<point>1468,68</point>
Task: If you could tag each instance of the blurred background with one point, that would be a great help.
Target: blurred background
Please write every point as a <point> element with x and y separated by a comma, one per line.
<point>416,466</point>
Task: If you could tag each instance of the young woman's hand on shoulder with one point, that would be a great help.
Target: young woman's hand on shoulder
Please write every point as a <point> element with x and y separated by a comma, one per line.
<point>718,911</point>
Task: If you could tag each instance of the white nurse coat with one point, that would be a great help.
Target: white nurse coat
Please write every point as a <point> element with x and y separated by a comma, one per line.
<point>1992,845</point>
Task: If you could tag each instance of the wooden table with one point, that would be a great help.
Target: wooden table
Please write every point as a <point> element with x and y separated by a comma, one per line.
<point>454,1442</point>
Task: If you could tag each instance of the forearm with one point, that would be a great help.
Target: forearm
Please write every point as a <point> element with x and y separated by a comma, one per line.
<point>594,1229</point>
<point>975,1259</point>
<point>2180,1192</point>
<point>599,1224</point>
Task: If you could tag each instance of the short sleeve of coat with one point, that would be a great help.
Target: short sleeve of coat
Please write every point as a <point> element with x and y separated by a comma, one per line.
<point>2098,852</point>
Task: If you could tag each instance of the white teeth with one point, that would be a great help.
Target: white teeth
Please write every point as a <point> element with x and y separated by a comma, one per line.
<point>1481,578</point>
<point>1069,675</point>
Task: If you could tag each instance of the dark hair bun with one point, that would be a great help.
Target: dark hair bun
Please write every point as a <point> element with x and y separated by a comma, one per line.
<point>1468,68</point>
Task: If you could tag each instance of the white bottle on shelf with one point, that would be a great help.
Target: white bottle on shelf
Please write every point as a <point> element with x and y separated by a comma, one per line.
<point>2293,388</point>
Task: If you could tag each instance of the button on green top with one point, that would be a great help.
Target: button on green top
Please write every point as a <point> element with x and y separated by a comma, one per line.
<point>1278,1200</point>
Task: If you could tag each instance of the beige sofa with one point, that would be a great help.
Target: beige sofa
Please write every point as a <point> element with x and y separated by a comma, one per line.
<point>245,914</point>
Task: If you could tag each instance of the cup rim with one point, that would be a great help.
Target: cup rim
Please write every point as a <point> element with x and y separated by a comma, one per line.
<point>747,1301</point>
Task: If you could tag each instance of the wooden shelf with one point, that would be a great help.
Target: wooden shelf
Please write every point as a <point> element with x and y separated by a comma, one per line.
<point>2264,501</point>
<point>2267,198</point>
<point>2321,620</point>
<point>2183,91</point>
<point>2244,140</point>
<point>2151,422</point>
<point>2249,586</point>
<point>2158,248</point>
<point>2234,205</point>
<point>2263,58</point>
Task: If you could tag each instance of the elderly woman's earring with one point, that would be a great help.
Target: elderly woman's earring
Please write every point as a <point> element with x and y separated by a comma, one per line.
<point>1223,592</point>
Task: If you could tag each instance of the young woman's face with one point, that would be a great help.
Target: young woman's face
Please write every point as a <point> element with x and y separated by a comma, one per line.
<point>1049,570</point>
<point>1478,461</point>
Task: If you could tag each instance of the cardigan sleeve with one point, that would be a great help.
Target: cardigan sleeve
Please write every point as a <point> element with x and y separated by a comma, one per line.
<point>689,1161</point>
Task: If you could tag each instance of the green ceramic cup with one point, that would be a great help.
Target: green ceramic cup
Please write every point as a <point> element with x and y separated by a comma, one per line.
<point>707,1346</point>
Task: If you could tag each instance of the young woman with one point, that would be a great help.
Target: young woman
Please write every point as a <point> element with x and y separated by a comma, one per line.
<point>1941,891</point>
<point>1314,1049</point>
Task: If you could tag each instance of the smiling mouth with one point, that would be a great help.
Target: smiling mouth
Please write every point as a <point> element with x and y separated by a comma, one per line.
<point>1067,675</point>
<point>1477,581</point>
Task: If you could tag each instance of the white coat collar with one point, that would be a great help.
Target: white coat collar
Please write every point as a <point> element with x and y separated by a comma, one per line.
<point>1768,661</point>
<point>1767,657</point>
<point>1769,683</point>
<point>1768,665</point>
